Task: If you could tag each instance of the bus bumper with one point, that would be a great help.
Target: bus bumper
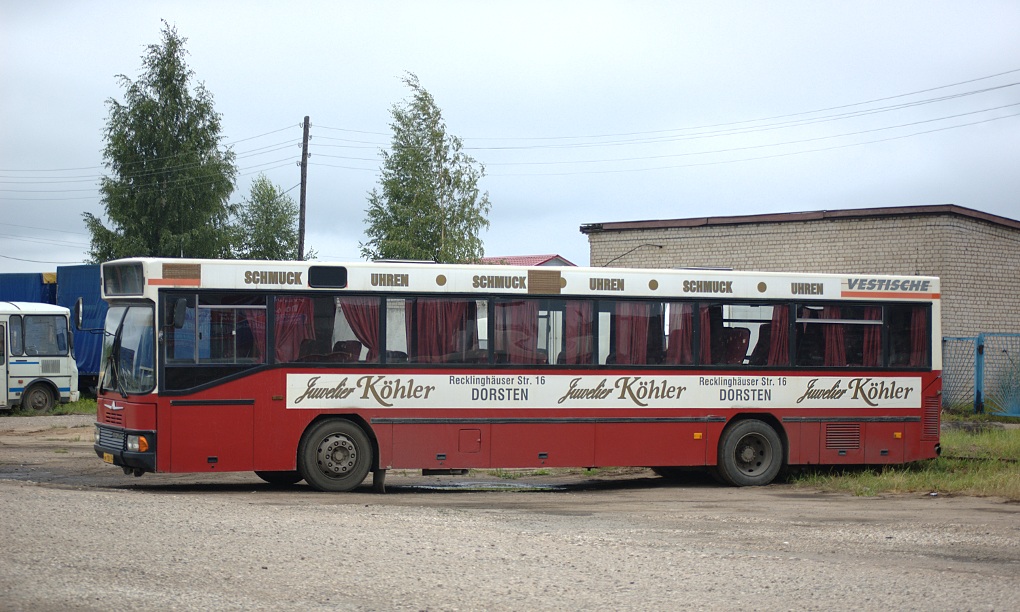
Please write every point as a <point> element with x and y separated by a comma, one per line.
<point>120,447</point>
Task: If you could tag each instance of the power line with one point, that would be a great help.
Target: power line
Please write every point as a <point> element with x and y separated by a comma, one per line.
<point>46,229</point>
<point>149,160</point>
<point>289,127</point>
<point>342,167</point>
<point>37,261</point>
<point>43,240</point>
<point>775,144</point>
<point>147,173</point>
<point>771,118</point>
<point>733,161</point>
<point>173,182</point>
<point>740,131</point>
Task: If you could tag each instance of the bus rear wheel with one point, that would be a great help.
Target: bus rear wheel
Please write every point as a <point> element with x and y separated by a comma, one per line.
<point>38,399</point>
<point>280,479</point>
<point>335,455</point>
<point>750,454</point>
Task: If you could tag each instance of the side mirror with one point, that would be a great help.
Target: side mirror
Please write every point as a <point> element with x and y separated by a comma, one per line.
<point>180,310</point>
<point>77,314</point>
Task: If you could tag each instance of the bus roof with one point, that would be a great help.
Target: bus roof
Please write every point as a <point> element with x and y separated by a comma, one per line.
<point>144,276</point>
<point>12,308</point>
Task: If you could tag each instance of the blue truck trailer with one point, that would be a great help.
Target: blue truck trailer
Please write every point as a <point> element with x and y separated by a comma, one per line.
<point>40,287</point>
<point>63,288</point>
<point>83,281</point>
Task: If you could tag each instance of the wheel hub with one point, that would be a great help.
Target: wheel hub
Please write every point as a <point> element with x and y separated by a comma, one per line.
<point>337,455</point>
<point>753,454</point>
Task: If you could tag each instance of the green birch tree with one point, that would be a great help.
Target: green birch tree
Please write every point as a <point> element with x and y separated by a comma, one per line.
<point>266,225</point>
<point>169,183</point>
<point>428,205</point>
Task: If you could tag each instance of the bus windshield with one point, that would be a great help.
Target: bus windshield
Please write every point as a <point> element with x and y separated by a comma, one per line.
<point>129,361</point>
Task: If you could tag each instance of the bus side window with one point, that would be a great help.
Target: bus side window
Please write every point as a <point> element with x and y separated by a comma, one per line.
<point>630,333</point>
<point>356,329</point>
<point>810,340</point>
<point>517,339</point>
<point>736,334</point>
<point>16,344</point>
<point>839,336</point>
<point>3,345</point>
<point>908,336</point>
<point>442,330</point>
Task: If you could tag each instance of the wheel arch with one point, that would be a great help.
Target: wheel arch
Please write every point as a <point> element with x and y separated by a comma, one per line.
<point>41,382</point>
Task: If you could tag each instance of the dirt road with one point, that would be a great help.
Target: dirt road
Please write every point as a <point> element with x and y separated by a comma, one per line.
<point>78,534</point>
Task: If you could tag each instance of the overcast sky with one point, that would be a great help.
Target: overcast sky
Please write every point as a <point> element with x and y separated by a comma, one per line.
<point>581,112</point>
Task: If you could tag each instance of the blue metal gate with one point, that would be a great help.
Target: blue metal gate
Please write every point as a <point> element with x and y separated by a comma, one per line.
<point>982,373</point>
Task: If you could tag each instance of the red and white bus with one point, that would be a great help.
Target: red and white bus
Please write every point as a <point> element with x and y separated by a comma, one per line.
<point>325,372</point>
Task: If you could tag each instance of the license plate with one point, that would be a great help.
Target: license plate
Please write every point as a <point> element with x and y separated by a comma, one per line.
<point>107,457</point>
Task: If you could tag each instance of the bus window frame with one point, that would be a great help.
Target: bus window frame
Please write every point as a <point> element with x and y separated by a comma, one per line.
<point>548,306</point>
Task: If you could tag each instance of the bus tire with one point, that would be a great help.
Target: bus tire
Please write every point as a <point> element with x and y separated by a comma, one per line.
<point>38,399</point>
<point>335,455</point>
<point>750,454</point>
<point>280,479</point>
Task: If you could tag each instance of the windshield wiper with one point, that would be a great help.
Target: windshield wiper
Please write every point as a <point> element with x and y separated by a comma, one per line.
<point>115,361</point>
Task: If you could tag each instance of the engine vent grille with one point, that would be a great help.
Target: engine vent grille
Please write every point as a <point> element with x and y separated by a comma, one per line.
<point>843,436</point>
<point>930,420</point>
<point>113,418</point>
<point>50,366</point>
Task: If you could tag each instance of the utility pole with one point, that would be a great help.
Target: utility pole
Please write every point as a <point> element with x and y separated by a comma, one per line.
<point>304,180</point>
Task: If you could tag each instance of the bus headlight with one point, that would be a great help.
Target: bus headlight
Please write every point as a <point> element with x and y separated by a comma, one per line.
<point>95,435</point>
<point>137,444</point>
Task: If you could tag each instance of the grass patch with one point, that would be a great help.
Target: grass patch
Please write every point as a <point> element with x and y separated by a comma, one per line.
<point>986,443</point>
<point>967,415</point>
<point>82,406</point>
<point>983,463</point>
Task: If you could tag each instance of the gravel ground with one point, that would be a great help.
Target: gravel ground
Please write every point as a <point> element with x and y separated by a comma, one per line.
<point>79,535</point>
<point>41,423</point>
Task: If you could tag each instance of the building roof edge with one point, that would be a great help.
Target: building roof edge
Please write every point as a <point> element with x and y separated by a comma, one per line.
<point>793,217</point>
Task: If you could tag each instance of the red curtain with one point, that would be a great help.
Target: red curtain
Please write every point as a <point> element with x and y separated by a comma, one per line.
<point>706,335</point>
<point>294,324</point>
<point>779,342</point>
<point>918,336</point>
<point>835,344</point>
<point>516,329</point>
<point>679,349</point>
<point>872,337</point>
<point>578,333</point>
<point>362,313</point>
<point>632,332</point>
<point>441,327</point>
<point>256,319</point>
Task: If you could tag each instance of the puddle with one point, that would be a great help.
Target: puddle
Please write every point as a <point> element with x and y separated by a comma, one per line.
<point>483,486</point>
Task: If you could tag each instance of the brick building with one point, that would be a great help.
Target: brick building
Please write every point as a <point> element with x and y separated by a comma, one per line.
<point>977,255</point>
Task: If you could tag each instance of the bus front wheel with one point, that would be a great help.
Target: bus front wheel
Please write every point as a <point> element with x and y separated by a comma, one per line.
<point>335,455</point>
<point>750,454</point>
<point>38,399</point>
